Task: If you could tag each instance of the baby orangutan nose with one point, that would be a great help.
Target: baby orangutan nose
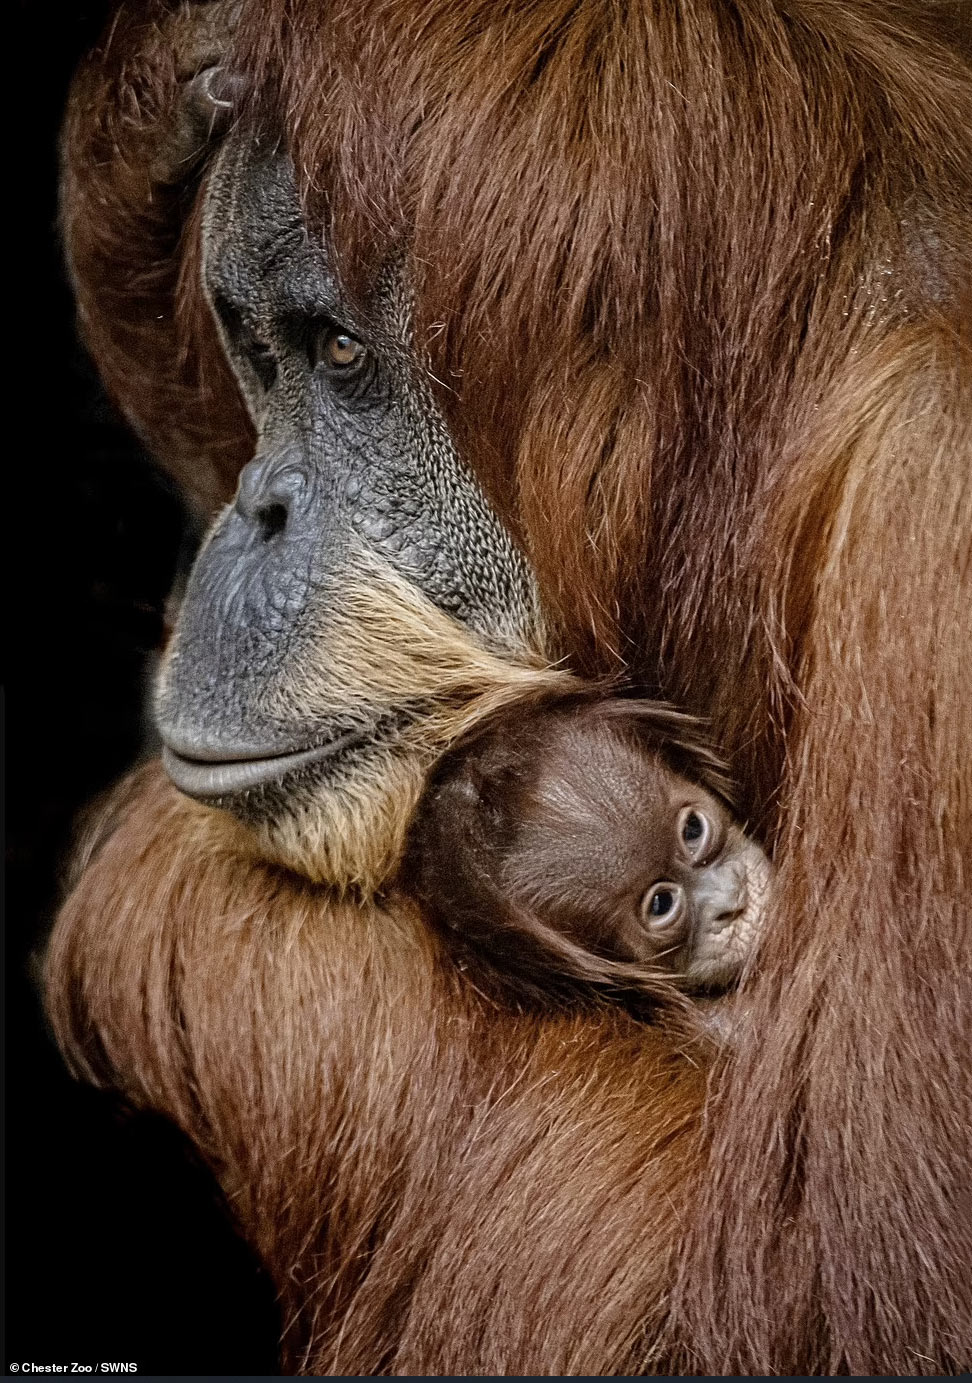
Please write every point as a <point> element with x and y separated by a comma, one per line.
<point>721,893</point>
<point>730,907</point>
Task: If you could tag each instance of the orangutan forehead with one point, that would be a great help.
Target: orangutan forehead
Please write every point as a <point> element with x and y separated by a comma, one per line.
<point>473,133</point>
<point>534,158</point>
<point>602,815</point>
<point>611,779</point>
<point>258,246</point>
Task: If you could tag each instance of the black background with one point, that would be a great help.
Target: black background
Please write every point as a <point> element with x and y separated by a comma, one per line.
<point>117,1245</point>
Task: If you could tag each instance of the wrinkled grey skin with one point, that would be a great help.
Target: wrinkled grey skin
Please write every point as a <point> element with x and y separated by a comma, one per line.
<point>337,465</point>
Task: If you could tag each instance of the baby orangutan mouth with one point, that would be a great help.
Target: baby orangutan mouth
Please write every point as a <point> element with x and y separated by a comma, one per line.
<point>587,840</point>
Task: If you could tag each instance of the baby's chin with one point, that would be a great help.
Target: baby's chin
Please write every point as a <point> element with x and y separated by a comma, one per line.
<point>719,954</point>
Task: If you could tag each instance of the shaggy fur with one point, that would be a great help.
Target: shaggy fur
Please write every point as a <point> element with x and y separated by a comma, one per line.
<point>371,1116</point>
<point>132,161</point>
<point>694,280</point>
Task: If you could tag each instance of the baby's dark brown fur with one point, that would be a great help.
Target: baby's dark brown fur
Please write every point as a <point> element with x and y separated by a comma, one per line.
<point>589,841</point>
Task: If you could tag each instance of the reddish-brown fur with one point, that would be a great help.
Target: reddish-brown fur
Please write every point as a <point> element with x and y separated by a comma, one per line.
<point>412,1161</point>
<point>696,281</point>
<point>130,220</point>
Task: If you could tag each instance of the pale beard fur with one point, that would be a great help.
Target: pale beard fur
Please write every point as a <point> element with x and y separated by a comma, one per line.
<point>389,649</point>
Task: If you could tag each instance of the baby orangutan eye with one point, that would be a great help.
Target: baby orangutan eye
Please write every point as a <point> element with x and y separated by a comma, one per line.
<point>694,831</point>
<point>662,905</point>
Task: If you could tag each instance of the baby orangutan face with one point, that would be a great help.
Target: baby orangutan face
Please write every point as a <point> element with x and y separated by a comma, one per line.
<point>634,860</point>
<point>588,841</point>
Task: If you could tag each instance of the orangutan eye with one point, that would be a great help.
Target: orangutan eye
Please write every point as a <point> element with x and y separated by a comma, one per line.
<point>662,904</point>
<point>347,364</point>
<point>340,351</point>
<point>695,831</point>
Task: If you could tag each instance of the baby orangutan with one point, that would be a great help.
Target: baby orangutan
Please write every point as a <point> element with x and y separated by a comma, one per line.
<point>587,841</point>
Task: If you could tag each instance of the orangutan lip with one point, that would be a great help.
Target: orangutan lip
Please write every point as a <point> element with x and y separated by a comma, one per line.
<point>210,778</point>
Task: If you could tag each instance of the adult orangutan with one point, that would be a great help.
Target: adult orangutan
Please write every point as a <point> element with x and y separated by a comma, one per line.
<point>635,336</point>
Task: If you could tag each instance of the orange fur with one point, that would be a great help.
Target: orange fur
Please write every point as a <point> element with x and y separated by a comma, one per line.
<point>369,1114</point>
<point>694,282</point>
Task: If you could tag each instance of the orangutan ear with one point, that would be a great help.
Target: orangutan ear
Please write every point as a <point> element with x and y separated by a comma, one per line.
<point>204,95</point>
<point>202,113</point>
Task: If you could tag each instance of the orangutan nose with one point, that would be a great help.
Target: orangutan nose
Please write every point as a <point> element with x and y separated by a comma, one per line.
<point>271,488</point>
<point>722,894</point>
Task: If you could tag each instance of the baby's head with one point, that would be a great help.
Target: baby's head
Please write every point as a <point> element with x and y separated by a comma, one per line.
<point>590,839</point>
